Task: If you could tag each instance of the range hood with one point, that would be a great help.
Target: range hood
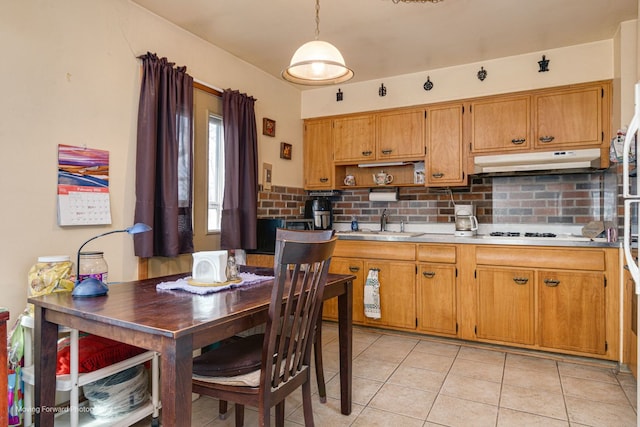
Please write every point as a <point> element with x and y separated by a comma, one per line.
<point>565,160</point>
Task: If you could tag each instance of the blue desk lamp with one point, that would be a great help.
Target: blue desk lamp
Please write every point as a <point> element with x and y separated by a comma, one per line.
<point>92,287</point>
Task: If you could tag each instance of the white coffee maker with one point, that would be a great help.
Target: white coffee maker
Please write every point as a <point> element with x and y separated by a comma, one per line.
<point>466,221</point>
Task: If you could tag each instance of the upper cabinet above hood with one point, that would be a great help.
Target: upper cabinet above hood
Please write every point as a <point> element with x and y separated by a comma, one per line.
<point>566,160</point>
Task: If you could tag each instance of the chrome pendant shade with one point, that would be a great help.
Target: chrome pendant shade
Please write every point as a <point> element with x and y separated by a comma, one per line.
<point>317,62</point>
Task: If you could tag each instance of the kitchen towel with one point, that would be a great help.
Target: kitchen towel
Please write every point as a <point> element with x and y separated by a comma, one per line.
<point>183,284</point>
<point>372,295</point>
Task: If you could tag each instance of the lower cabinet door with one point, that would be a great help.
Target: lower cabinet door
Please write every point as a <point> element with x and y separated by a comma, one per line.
<point>397,293</point>
<point>436,292</point>
<point>347,266</point>
<point>572,311</point>
<point>505,308</point>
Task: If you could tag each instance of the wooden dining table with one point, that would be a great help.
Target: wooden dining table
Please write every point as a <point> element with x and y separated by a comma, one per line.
<point>174,324</point>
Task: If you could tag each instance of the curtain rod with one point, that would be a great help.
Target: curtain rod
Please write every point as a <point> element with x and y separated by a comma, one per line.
<point>198,84</point>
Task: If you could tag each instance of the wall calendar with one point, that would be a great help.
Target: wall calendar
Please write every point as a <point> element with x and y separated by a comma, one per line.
<point>83,186</point>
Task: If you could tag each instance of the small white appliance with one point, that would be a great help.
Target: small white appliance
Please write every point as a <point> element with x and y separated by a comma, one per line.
<point>466,221</point>
<point>209,266</point>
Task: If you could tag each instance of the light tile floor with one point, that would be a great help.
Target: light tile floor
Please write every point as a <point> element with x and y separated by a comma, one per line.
<point>411,380</point>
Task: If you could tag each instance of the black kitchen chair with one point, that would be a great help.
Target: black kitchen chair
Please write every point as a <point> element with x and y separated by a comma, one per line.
<point>262,369</point>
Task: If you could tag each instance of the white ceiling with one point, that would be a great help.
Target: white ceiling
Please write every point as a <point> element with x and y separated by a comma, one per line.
<point>380,39</point>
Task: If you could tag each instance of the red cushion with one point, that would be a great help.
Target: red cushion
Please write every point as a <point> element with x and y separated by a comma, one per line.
<point>94,352</point>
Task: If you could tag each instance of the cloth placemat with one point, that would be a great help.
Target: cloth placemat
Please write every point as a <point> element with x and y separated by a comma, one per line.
<point>183,284</point>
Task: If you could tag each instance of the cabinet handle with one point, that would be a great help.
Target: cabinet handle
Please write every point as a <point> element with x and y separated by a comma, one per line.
<point>354,269</point>
<point>546,138</point>
<point>518,141</point>
<point>437,175</point>
<point>521,280</point>
<point>387,151</point>
<point>324,179</point>
<point>551,282</point>
<point>429,274</point>
<point>367,153</point>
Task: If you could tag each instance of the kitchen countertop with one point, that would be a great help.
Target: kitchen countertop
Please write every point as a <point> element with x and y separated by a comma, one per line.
<point>566,236</point>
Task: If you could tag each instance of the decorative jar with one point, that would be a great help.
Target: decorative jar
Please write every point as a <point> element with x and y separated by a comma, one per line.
<point>92,264</point>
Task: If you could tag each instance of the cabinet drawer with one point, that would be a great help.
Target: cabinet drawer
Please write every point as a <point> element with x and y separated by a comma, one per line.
<point>566,259</point>
<point>436,253</point>
<point>375,250</point>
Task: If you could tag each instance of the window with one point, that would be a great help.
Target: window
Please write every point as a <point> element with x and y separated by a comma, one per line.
<point>208,168</point>
<point>215,173</point>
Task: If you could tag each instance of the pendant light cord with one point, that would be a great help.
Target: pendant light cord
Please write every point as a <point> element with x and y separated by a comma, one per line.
<point>416,1</point>
<point>317,19</point>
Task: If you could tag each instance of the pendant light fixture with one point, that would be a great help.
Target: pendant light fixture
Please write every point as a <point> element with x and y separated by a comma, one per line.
<point>317,62</point>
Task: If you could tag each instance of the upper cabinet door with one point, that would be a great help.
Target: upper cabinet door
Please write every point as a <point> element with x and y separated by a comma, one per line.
<point>400,134</point>
<point>444,161</point>
<point>500,124</point>
<point>354,138</point>
<point>569,118</point>
<point>318,155</point>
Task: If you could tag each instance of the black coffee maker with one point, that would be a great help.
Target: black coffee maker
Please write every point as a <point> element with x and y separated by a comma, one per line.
<point>319,210</point>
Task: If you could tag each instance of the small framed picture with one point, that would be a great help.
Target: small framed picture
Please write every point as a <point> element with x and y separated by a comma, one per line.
<point>268,127</point>
<point>285,151</point>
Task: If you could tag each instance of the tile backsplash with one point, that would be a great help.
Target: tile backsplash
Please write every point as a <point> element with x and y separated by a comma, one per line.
<point>281,202</point>
<point>572,199</point>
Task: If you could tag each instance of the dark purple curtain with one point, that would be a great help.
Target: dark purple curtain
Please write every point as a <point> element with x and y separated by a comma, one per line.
<point>240,203</point>
<point>163,159</point>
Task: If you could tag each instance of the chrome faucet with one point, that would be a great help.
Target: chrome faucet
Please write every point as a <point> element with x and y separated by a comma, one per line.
<point>383,220</point>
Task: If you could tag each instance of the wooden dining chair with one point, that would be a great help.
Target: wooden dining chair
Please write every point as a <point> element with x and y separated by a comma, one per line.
<point>310,236</point>
<point>263,369</point>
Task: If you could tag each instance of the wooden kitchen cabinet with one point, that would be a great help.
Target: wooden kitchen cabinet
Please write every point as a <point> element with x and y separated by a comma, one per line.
<point>390,135</point>
<point>570,118</point>
<point>560,118</point>
<point>500,124</point>
<point>318,155</point>
<point>572,310</point>
<point>400,134</point>
<point>436,289</point>
<point>341,265</point>
<point>505,305</point>
<point>397,276</point>
<point>260,260</point>
<point>354,138</point>
<point>397,293</point>
<point>445,154</point>
<point>552,299</point>
<point>436,299</point>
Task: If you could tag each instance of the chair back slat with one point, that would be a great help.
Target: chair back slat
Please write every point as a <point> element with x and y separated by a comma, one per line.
<point>301,268</point>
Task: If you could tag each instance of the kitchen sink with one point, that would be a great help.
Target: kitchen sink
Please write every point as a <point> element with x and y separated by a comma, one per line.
<point>373,233</point>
